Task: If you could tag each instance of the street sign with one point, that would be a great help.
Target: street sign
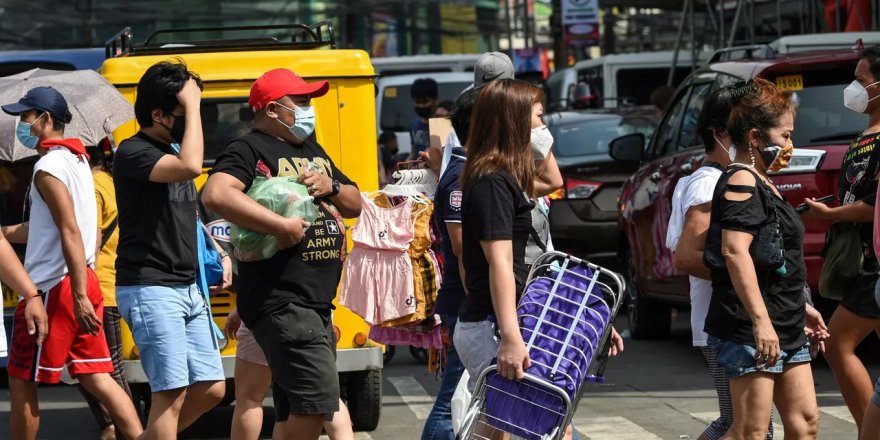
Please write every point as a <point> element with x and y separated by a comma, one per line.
<point>580,11</point>
<point>580,20</point>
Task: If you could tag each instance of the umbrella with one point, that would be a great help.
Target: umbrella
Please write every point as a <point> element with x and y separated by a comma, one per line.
<point>97,107</point>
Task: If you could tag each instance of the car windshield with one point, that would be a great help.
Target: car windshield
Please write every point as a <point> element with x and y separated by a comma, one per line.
<point>591,137</point>
<point>821,116</point>
<point>223,120</point>
<point>397,105</point>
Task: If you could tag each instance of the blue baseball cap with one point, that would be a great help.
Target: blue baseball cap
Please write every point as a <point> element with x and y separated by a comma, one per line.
<point>45,99</point>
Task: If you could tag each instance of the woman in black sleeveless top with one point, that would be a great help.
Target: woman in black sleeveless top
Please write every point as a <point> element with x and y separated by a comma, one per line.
<point>757,315</point>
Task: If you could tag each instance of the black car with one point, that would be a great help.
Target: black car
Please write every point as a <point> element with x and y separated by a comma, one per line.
<point>583,213</point>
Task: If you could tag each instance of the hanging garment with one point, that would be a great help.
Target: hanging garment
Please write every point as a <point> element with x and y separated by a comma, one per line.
<point>424,334</point>
<point>377,280</point>
<point>425,284</point>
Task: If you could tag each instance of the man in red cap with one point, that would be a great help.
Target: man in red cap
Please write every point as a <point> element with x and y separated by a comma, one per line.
<point>286,299</point>
<point>60,258</point>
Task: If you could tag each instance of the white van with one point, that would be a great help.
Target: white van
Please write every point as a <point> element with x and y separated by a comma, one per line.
<point>395,108</point>
<point>829,41</point>
<point>615,80</point>
<point>412,64</point>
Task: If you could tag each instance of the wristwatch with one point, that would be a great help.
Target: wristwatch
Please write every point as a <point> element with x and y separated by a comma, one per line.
<point>224,254</point>
<point>336,187</point>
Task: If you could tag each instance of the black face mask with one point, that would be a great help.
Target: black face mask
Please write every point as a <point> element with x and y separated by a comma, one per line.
<point>177,129</point>
<point>423,112</point>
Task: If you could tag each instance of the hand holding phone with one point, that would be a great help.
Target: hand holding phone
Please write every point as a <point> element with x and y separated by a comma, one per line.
<point>803,207</point>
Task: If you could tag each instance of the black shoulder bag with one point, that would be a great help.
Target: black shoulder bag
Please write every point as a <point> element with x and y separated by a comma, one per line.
<point>767,249</point>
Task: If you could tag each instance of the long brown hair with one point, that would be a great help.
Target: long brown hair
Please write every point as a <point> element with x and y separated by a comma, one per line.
<point>499,137</point>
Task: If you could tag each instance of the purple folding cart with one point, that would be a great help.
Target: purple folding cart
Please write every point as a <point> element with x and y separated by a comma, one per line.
<point>565,316</point>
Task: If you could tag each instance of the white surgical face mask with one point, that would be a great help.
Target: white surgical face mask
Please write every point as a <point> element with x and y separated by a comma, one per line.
<point>731,150</point>
<point>855,97</point>
<point>541,141</point>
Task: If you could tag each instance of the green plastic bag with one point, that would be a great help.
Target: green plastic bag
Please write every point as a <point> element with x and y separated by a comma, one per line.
<point>281,195</point>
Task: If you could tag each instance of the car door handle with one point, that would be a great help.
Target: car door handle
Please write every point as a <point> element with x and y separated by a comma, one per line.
<point>655,177</point>
<point>686,168</point>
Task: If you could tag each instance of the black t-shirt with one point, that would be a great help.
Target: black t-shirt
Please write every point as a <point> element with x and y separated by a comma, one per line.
<point>782,293</point>
<point>157,221</point>
<point>307,274</point>
<point>857,182</point>
<point>447,209</point>
<point>493,207</point>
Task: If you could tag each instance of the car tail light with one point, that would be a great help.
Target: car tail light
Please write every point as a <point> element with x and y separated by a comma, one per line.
<point>580,189</point>
<point>803,161</point>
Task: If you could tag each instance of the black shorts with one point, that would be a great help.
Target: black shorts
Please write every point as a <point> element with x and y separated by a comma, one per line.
<point>300,347</point>
<point>859,297</point>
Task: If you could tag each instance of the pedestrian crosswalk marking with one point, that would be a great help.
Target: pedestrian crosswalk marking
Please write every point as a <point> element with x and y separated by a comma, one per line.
<point>840,412</point>
<point>709,417</point>
<point>357,436</point>
<point>608,428</point>
<point>413,393</point>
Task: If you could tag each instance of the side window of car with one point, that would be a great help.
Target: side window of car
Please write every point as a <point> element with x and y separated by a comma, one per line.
<point>663,143</point>
<point>688,137</point>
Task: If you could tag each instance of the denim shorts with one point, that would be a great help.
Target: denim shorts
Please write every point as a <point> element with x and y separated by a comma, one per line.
<point>477,345</point>
<point>739,359</point>
<point>172,329</point>
<point>875,399</point>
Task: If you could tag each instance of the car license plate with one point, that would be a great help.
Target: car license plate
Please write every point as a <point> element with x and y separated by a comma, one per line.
<point>790,83</point>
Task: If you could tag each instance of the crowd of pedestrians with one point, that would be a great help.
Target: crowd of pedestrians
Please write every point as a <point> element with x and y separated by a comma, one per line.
<point>113,234</point>
<point>741,243</point>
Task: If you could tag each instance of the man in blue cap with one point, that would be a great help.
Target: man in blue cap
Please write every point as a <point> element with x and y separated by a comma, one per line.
<point>60,257</point>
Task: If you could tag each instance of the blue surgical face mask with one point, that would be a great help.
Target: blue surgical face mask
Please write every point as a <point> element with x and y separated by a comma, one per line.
<point>304,121</point>
<point>23,133</point>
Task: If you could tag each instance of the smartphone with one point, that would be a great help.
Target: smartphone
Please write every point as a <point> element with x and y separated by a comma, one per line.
<point>802,208</point>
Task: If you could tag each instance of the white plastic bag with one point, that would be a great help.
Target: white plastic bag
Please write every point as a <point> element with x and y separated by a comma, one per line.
<point>461,400</point>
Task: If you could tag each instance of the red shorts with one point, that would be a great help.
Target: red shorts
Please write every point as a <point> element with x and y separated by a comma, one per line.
<point>65,345</point>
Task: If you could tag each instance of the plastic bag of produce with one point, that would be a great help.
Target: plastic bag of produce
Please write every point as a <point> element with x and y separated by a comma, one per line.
<point>283,196</point>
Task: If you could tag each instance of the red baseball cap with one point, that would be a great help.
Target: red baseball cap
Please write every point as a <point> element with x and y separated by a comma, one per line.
<point>276,83</point>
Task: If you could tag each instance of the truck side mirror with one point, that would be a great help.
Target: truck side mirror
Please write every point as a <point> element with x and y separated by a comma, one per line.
<point>627,148</point>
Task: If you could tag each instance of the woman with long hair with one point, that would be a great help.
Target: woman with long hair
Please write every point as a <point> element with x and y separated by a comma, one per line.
<point>496,219</point>
<point>498,182</point>
<point>757,315</point>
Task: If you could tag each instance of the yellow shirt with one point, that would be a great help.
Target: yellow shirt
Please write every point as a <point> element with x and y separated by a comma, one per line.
<point>105,195</point>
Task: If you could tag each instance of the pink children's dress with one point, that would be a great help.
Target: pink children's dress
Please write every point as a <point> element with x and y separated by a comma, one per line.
<point>377,280</point>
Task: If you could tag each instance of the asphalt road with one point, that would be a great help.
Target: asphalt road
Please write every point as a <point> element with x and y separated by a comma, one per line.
<point>654,390</point>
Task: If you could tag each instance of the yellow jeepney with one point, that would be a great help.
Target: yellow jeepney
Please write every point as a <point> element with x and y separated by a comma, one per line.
<point>346,130</point>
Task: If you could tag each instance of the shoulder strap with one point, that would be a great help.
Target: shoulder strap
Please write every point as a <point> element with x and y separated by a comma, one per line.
<point>109,231</point>
<point>533,233</point>
<point>537,239</point>
<point>201,243</point>
<point>758,181</point>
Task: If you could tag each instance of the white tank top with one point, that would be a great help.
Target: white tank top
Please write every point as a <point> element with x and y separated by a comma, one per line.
<point>44,259</point>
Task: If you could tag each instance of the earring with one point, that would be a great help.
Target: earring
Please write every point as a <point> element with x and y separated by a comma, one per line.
<point>752,154</point>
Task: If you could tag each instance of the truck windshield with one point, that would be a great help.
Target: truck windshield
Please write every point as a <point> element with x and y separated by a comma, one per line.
<point>397,105</point>
<point>591,137</point>
<point>223,120</point>
<point>821,117</point>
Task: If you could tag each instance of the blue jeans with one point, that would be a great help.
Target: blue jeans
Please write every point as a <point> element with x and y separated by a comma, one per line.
<point>439,423</point>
